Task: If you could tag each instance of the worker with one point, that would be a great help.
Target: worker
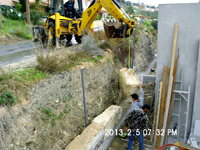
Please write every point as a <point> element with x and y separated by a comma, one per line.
<point>137,103</point>
<point>136,122</point>
<point>69,9</point>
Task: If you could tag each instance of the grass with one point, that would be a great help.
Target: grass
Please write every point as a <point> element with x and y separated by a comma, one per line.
<point>15,28</point>
<point>63,62</point>
<point>19,81</point>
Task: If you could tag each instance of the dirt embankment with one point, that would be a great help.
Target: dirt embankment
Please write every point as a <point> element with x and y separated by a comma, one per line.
<point>141,49</point>
<point>54,114</point>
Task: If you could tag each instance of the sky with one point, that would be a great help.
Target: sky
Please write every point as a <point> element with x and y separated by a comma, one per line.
<point>156,2</point>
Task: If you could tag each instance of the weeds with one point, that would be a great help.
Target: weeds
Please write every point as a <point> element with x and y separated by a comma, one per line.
<point>7,98</point>
<point>19,81</point>
<point>89,44</point>
<point>62,62</point>
<point>105,44</point>
<point>15,28</point>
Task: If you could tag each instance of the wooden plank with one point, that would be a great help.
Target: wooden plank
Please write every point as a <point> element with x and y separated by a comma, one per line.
<point>188,147</point>
<point>154,120</point>
<point>165,100</point>
<point>174,49</point>
<point>167,108</point>
<point>172,99</point>
<point>158,112</point>
<point>162,106</point>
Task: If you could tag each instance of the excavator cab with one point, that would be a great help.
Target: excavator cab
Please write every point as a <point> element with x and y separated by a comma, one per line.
<point>61,26</point>
<point>57,6</point>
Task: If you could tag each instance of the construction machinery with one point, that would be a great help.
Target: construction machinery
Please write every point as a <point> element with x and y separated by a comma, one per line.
<point>59,27</point>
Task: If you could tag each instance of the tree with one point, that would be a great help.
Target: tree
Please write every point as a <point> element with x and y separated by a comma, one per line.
<point>23,5</point>
<point>155,24</point>
<point>130,10</point>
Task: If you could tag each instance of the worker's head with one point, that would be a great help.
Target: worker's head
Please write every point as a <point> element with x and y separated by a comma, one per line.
<point>134,97</point>
<point>146,107</point>
<point>71,1</point>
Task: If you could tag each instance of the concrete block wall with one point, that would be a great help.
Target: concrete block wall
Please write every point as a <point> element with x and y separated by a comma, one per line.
<point>188,18</point>
<point>95,135</point>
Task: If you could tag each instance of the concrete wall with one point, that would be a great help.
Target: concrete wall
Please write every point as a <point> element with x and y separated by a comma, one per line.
<point>196,110</point>
<point>188,18</point>
<point>95,136</point>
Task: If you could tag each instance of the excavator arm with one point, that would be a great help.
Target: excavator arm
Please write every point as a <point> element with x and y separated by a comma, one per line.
<point>114,9</point>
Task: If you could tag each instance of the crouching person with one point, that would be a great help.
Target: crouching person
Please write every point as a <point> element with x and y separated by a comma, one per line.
<point>136,122</point>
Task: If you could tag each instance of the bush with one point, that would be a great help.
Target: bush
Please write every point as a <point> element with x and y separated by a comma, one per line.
<point>89,44</point>
<point>105,45</point>
<point>12,14</point>
<point>155,24</point>
<point>7,98</point>
<point>36,16</point>
<point>99,17</point>
<point>22,32</point>
<point>147,24</point>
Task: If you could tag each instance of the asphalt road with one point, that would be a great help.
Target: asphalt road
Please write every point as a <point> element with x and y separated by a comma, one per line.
<point>19,51</point>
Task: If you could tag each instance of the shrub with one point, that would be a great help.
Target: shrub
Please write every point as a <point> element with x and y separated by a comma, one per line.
<point>147,24</point>
<point>155,24</point>
<point>99,17</point>
<point>89,44</point>
<point>22,32</point>
<point>12,14</point>
<point>7,98</point>
<point>19,81</point>
<point>51,63</point>
<point>36,16</point>
<point>105,45</point>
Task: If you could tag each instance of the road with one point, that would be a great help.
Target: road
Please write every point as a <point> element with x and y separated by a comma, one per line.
<point>24,50</point>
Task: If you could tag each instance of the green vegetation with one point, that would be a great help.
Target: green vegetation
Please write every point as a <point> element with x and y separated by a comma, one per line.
<point>130,10</point>
<point>19,81</point>
<point>7,98</point>
<point>15,28</point>
<point>36,16</point>
<point>50,116</point>
<point>150,28</point>
<point>99,17</point>
<point>105,44</point>
<point>151,15</point>
<point>63,62</point>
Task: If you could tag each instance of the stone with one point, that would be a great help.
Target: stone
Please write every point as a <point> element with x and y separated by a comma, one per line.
<point>129,81</point>
<point>94,135</point>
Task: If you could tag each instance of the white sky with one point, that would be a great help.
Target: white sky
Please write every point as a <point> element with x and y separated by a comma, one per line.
<point>156,2</point>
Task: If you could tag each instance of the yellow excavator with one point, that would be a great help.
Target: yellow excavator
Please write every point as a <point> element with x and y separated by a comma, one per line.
<point>59,25</point>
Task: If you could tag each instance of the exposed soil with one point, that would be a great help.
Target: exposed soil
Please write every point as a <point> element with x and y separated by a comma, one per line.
<point>9,39</point>
<point>53,114</point>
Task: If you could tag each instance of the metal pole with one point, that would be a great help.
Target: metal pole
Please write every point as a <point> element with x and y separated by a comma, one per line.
<point>83,86</point>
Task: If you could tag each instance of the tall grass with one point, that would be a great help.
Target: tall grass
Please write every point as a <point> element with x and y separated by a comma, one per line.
<point>15,28</point>
<point>19,81</point>
<point>58,62</point>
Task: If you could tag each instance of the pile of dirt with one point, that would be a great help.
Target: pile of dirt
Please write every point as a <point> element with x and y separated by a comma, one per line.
<point>54,113</point>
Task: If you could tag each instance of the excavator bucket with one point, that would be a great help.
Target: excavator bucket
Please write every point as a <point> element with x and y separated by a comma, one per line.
<point>115,31</point>
<point>114,28</point>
